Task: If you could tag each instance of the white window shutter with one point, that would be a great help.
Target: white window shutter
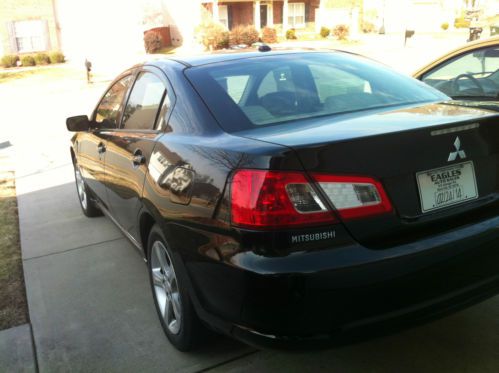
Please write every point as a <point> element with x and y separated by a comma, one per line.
<point>46,35</point>
<point>12,37</point>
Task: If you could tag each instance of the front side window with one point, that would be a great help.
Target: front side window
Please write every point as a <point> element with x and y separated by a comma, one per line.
<point>144,101</point>
<point>290,87</point>
<point>30,35</point>
<point>108,112</point>
<point>473,74</point>
<point>296,15</point>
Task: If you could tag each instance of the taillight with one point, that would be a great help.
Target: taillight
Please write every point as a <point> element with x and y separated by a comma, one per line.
<point>354,196</point>
<point>275,199</point>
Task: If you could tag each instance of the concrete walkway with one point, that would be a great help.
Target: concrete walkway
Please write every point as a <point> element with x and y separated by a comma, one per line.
<point>16,350</point>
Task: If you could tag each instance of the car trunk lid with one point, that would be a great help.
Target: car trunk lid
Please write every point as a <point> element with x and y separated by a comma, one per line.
<point>404,148</point>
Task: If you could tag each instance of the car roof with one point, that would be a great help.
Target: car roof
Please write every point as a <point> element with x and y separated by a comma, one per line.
<point>481,43</point>
<point>232,55</point>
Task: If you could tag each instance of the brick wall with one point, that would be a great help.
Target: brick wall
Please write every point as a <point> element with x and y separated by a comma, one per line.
<point>240,13</point>
<point>24,10</point>
<point>277,9</point>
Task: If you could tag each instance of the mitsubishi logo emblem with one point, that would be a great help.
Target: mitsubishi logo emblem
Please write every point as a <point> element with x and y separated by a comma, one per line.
<point>458,153</point>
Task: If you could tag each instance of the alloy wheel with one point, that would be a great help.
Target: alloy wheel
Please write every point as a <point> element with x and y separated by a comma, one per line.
<point>166,287</point>
<point>80,186</point>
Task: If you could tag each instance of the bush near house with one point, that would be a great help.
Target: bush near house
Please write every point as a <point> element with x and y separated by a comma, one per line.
<point>341,32</point>
<point>368,27</point>
<point>250,35</point>
<point>236,35</point>
<point>269,35</point>
<point>243,35</point>
<point>56,57</point>
<point>291,34</point>
<point>9,60</point>
<point>28,60</point>
<point>325,32</point>
<point>214,35</point>
<point>461,22</point>
<point>42,59</point>
<point>153,41</point>
<point>444,26</point>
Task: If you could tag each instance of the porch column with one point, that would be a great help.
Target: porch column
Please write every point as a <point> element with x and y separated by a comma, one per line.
<point>270,14</point>
<point>215,10</point>
<point>285,17</point>
<point>256,18</point>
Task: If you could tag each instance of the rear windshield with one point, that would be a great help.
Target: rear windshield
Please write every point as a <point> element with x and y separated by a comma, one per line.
<point>270,90</point>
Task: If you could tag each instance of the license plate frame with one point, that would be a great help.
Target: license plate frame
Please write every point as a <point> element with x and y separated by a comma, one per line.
<point>447,186</point>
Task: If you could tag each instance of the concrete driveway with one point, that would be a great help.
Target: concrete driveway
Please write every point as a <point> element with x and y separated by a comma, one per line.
<point>89,298</point>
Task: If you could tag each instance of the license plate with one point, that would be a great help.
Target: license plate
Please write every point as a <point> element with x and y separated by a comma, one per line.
<point>447,186</point>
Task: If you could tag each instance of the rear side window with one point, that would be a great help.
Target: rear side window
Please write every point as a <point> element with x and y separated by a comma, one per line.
<point>289,87</point>
<point>109,109</point>
<point>143,104</point>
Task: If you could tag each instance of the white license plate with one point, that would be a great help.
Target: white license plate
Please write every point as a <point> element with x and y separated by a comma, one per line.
<point>447,186</point>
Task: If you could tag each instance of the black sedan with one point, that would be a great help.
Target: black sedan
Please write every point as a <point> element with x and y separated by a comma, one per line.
<point>293,198</point>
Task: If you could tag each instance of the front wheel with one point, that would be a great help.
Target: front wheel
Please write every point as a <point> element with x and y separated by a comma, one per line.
<point>88,205</point>
<point>176,313</point>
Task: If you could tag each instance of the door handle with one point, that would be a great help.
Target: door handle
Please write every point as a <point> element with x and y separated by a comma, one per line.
<point>138,158</point>
<point>101,148</point>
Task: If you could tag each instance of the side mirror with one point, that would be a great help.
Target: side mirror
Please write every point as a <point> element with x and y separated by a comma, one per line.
<point>78,123</point>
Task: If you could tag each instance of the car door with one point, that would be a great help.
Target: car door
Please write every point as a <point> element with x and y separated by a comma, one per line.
<point>470,75</point>
<point>91,145</point>
<point>129,147</point>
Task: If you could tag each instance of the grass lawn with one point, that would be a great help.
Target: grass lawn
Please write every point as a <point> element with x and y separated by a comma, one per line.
<point>8,76</point>
<point>13,305</point>
<point>41,72</point>
<point>166,50</point>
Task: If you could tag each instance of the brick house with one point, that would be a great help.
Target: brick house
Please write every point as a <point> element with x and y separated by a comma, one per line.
<point>285,14</point>
<point>28,26</point>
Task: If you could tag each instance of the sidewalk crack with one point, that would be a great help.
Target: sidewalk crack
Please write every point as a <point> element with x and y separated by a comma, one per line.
<point>74,248</point>
<point>218,365</point>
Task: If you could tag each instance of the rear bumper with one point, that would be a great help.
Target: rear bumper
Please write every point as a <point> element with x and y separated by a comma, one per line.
<point>381,325</point>
<point>350,292</point>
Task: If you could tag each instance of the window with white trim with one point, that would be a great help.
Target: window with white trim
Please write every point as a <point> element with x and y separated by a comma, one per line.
<point>223,15</point>
<point>29,35</point>
<point>296,15</point>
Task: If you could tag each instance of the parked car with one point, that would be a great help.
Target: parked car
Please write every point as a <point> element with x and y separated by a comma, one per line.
<point>294,198</point>
<point>470,72</point>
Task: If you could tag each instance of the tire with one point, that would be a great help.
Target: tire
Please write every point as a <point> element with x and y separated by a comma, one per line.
<point>171,297</point>
<point>88,205</point>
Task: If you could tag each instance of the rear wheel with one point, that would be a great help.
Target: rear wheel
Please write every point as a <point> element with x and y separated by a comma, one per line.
<point>87,204</point>
<point>176,313</point>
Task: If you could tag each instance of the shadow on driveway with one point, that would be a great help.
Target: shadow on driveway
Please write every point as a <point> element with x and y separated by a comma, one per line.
<point>88,291</point>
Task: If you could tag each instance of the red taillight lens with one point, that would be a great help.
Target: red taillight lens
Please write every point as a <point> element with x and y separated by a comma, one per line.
<point>275,199</point>
<point>354,197</point>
